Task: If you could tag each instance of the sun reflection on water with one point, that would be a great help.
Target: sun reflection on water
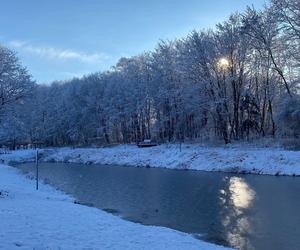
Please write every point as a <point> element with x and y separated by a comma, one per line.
<point>235,200</point>
<point>240,193</point>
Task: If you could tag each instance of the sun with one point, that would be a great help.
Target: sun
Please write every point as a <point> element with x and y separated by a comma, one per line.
<point>223,63</point>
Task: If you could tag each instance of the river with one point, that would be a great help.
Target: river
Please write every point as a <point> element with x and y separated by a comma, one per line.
<point>241,211</point>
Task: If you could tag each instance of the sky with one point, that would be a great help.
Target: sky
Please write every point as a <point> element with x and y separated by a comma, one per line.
<point>61,39</point>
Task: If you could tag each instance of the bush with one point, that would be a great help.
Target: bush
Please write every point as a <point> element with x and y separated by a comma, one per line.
<point>289,117</point>
<point>290,143</point>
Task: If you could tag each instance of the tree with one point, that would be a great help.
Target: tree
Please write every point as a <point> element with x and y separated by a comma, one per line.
<point>263,28</point>
<point>223,84</point>
<point>15,81</point>
<point>15,86</point>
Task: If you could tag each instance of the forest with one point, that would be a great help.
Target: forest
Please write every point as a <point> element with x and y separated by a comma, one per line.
<point>238,81</point>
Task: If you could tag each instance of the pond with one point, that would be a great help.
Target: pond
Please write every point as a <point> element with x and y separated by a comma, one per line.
<point>241,211</point>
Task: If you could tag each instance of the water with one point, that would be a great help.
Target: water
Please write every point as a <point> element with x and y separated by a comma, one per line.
<point>241,211</point>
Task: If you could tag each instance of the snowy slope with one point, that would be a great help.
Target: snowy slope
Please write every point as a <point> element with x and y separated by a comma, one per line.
<point>19,156</point>
<point>229,159</point>
<point>48,219</point>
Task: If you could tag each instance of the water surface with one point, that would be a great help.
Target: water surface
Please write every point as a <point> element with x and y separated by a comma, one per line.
<point>241,211</point>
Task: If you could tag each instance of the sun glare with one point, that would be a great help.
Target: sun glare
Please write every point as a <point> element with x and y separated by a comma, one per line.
<point>223,63</point>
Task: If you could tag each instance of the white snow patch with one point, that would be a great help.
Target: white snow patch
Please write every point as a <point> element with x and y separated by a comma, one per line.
<point>273,161</point>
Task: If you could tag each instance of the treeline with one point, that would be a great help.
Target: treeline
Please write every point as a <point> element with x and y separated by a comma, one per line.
<point>237,81</point>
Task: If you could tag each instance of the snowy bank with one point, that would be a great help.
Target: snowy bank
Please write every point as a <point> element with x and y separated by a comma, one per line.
<point>242,159</point>
<point>48,219</point>
<point>27,155</point>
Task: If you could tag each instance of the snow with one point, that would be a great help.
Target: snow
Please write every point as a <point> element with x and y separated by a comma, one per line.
<point>49,219</point>
<point>239,159</point>
<point>18,156</point>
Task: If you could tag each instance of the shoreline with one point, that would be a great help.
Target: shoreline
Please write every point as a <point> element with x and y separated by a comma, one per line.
<point>18,190</point>
<point>48,218</point>
<point>239,160</point>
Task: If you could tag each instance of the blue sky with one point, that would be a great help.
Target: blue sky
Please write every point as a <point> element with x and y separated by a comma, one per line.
<point>59,39</point>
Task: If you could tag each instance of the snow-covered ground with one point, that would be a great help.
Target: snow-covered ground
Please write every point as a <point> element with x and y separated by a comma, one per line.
<point>240,159</point>
<point>48,219</point>
<point>18,156</point>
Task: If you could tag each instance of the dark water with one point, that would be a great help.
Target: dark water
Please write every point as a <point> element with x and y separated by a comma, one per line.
<point>242,211</point>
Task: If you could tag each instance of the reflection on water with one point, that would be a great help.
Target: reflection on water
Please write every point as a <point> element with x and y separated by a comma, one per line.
<point>235,221</point>
<point>240,193</point>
